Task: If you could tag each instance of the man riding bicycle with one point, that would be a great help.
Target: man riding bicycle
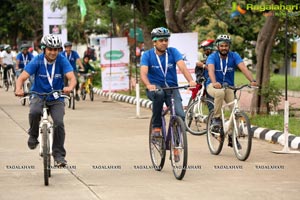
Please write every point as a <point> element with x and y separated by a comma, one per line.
<point>221,68</point>
<point>49,69</point>
<point>158,70</point>
<point>74,59</point>
<point>86,68</point>
<point>23,58</point>
<point>7,61</point>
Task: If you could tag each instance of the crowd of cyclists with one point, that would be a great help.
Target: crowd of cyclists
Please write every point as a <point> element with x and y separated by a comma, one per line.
<point>58,67</point>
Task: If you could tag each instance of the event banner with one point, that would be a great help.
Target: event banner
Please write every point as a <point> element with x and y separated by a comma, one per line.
<point>187,44</point>
<point>114,63</point>
<point>54,21</point>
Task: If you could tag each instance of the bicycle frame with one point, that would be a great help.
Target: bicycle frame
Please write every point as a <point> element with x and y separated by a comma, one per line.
<point>235,109</point>
<point>45,120</point>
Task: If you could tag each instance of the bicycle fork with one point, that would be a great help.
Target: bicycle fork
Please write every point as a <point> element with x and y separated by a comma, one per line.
<point>45,120</point>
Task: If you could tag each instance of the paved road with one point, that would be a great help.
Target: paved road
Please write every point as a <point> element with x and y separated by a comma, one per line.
<point>106,149</point>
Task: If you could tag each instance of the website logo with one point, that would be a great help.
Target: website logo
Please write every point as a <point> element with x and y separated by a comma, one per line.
<point>237,10</point>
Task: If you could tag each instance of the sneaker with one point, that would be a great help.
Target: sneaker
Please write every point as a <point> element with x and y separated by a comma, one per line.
<point>32,142</point>
<point>77,97</point>
<point>230,143</point>
<point>216,125</point>
<point>60,162</point>
<point>156,134</point>
<point>176,155</point>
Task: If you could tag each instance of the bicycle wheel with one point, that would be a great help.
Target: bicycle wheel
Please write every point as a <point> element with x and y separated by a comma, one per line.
<point>179,149</point>
<point>46,154</point>
<point>242,136</point>
<point>1,78</point>
<point>83,93</point>
<point>13,81</point>
<point>215,136</point>
<point>157,149</point>
<point>91,93</point>
<point>196,116</point>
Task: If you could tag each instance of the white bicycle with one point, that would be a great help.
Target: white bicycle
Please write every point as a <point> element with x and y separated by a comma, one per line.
<point>46,132</point>
<point>237,128</point>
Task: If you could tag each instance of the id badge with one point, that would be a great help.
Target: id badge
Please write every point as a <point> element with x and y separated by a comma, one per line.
<point>55,95</point>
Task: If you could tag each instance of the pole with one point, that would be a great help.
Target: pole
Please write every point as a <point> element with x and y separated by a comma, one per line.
<point>110,52</point>
<point>137,86</point>
<point>286,149</point>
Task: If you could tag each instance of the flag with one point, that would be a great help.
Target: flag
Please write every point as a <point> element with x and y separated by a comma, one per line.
<point>82,6</point>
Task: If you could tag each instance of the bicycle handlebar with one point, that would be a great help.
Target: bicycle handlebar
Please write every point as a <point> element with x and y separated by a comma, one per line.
<point>176,87</point>
<point>235,88</point>
<point>45,94</point>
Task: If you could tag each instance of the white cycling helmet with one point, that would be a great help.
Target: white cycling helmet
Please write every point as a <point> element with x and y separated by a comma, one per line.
<point>52,41</point>
<point>159,33</point>
<point>223,38</point>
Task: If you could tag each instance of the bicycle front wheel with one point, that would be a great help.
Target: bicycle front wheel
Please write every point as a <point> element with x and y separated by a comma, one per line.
<point>196,116</point>
<point>13,81</point>
<point>242,136</point>
<point>91,93</point>
<point>46,154</point>
<point>179,149</point>
<point>215,136</point>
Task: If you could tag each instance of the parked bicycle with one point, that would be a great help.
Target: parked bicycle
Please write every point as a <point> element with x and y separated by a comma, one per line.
<point>237,128</point>
<point>46,132</point>
<point>198,110</point>
<point>173,139</point>
<point>87,88</point>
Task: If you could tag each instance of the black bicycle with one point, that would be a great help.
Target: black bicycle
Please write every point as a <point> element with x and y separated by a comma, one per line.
<point>174,140</point>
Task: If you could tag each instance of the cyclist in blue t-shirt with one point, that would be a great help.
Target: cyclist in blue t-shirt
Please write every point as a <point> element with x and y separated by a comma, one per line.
<point>74,59</point>
<point>221,68</point>
<point>49,69</point>
<point>23,58</point>
<point>158,70</point>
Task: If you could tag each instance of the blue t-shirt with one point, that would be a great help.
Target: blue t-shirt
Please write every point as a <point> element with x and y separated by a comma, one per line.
<point>41,83</point>
<point>72,58</point>
<point>223,76</point>
<point>155,74</point>
<point>24,59</point>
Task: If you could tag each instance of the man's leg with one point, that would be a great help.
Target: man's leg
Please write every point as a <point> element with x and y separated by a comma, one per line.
<point>35,113</point>
<point>57,112</point>
<point>157,98</point>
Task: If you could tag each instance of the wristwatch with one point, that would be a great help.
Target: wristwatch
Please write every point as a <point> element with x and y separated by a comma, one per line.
<point>253,80</point>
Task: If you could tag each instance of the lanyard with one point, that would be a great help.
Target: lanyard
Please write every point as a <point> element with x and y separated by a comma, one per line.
<point>70,56</point>
<point>223,70</point>
<point>25,59</point>
<point>160,65</point>
<point>50,78</point>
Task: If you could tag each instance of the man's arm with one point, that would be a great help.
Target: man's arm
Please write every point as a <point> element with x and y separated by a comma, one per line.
<point>247,73</point>
<point>19,84</point>
<point>17,64</point>
<point>78,61</point>
<point>144,78</point>
<point>181,65</point>
<point>72,82</point>
<point>212,76</point>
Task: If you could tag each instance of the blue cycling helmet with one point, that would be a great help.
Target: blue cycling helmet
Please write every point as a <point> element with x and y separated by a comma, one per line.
<point>159,33</point>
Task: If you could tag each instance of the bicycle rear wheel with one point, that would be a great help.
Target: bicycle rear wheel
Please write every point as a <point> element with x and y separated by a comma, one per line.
<point>83,93</point>
<point>179,149</point>
<point>196,116</point>
<point>242,136</point>
<point>157,149</point>
<point>91,93</point>
<point>215,136</point>
<point>46,154</point>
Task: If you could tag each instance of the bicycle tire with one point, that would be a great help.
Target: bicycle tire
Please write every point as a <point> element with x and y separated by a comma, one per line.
<point>46,154</point>
<point>13,82</point>
<point>196,116</point>
<point>83,94</point>
<point>73,102</point>
<point>91,93</point>
<point>215,139</point>
<point>157,150</point>
<point>6,85</point>
<point>242,136</point>
<point>178,144</point>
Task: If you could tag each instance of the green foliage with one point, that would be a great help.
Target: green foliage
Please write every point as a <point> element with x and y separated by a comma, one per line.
<point>272,96</point>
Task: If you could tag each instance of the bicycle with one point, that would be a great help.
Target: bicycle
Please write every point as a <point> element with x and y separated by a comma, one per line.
<point>11,81</point>
<point>87,88</point>
<point>72,99</point>
<point>238,121</point>
<point>26,87</point>
<point>46,132</point>
<point>1,76</point>
<point>174,140</point>
<point>198,110</point>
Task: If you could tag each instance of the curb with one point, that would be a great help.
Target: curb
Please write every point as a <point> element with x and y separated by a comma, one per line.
<point>275,136</point>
